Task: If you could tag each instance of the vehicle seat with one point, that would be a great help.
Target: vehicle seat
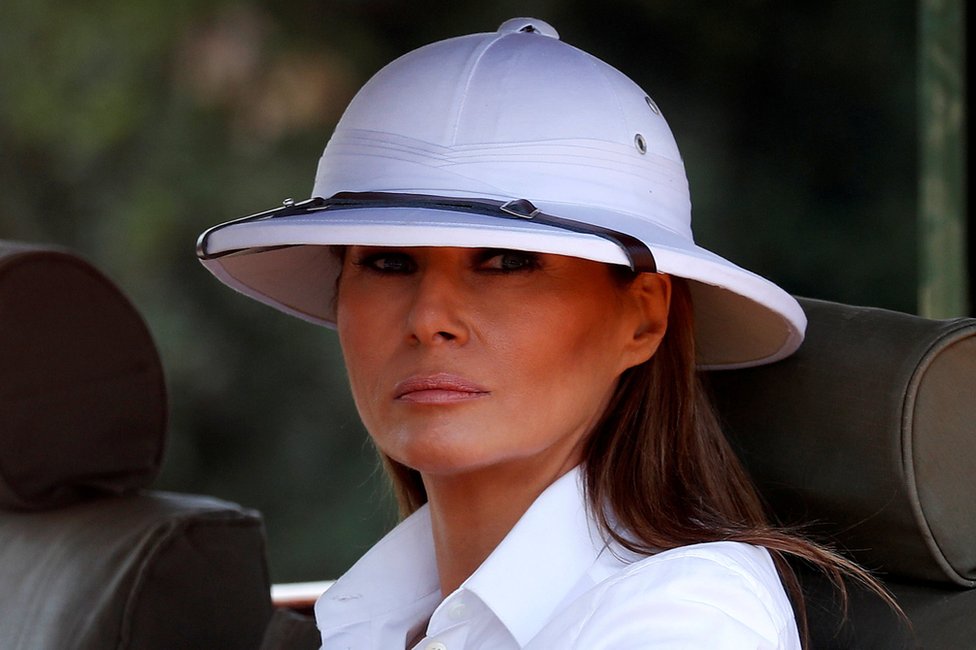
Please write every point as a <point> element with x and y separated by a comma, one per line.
<point>868,435</point>
<point>90,559</point>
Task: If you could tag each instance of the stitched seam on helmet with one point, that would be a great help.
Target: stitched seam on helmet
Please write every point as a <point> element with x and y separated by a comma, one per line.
<point>469,73</point>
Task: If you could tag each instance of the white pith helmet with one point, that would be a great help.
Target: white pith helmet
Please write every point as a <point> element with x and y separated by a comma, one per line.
<point>515,140</point>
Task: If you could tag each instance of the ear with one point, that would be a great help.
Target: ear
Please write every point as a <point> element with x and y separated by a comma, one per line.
<point>650,296</point>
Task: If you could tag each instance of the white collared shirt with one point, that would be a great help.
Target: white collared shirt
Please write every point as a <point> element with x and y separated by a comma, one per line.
<point>554,584</point>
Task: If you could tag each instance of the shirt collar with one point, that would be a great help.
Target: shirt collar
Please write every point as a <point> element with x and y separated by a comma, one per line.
<point>398,572</point>
<point>537,565</point>
<point>524,580</point>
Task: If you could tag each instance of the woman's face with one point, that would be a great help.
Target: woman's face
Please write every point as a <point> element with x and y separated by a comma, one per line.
<point>464,359</point>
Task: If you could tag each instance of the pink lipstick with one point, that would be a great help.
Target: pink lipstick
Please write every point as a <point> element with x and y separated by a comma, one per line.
<point>438,388</point>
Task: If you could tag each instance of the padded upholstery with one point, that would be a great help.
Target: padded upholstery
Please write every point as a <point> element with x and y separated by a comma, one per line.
<point>139,571</point>
<point>290,630</point>
<point>88,558</point>
<point>868,431</point>
<point>79,375</point>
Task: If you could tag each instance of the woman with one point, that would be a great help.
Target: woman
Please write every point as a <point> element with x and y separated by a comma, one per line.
<point>502,239</point>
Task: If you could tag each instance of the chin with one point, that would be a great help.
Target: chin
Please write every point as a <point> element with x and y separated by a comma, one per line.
<point>437,447</point>
<point>443,464</point>
<point>441,457</point>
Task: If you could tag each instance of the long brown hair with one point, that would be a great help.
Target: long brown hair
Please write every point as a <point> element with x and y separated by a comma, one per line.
<point>659,464</point>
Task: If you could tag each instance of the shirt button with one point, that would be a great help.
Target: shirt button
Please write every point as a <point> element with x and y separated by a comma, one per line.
<point>456,612</point>
<point>436,645</point>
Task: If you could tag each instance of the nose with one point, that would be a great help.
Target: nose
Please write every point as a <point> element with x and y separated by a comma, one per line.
<point>437,314</point>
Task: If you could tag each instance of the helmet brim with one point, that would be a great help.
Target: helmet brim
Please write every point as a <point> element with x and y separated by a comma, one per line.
<point>742,319</point>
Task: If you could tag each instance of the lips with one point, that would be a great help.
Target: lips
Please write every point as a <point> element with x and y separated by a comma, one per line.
<point>439,388</point>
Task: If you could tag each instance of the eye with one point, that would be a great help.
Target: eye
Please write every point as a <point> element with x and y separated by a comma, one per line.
<point>391,262</point>
<point>507,261</point>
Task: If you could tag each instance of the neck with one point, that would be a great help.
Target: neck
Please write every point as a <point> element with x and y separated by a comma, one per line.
<point>472,512</point>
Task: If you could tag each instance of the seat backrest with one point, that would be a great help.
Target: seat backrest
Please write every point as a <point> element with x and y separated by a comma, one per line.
<point>88,557</point>
<point>867,435</point>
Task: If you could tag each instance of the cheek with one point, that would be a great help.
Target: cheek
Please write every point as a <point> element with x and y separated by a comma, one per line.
<point>357,353</point>
<point>362,335</point>
<point>578,331</point>
<point>366,315</point>
<point>563,354</point>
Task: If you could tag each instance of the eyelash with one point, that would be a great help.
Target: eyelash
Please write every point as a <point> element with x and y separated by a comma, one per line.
<point>373,261</point>
<point>527,261</point>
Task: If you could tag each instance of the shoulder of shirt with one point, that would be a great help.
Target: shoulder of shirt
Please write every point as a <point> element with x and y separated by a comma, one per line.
<point>738,562</point>
<point>733,581</point>
<point>736,557</point>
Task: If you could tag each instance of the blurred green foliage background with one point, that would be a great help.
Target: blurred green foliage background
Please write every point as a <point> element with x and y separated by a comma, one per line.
<point>126,128</point>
